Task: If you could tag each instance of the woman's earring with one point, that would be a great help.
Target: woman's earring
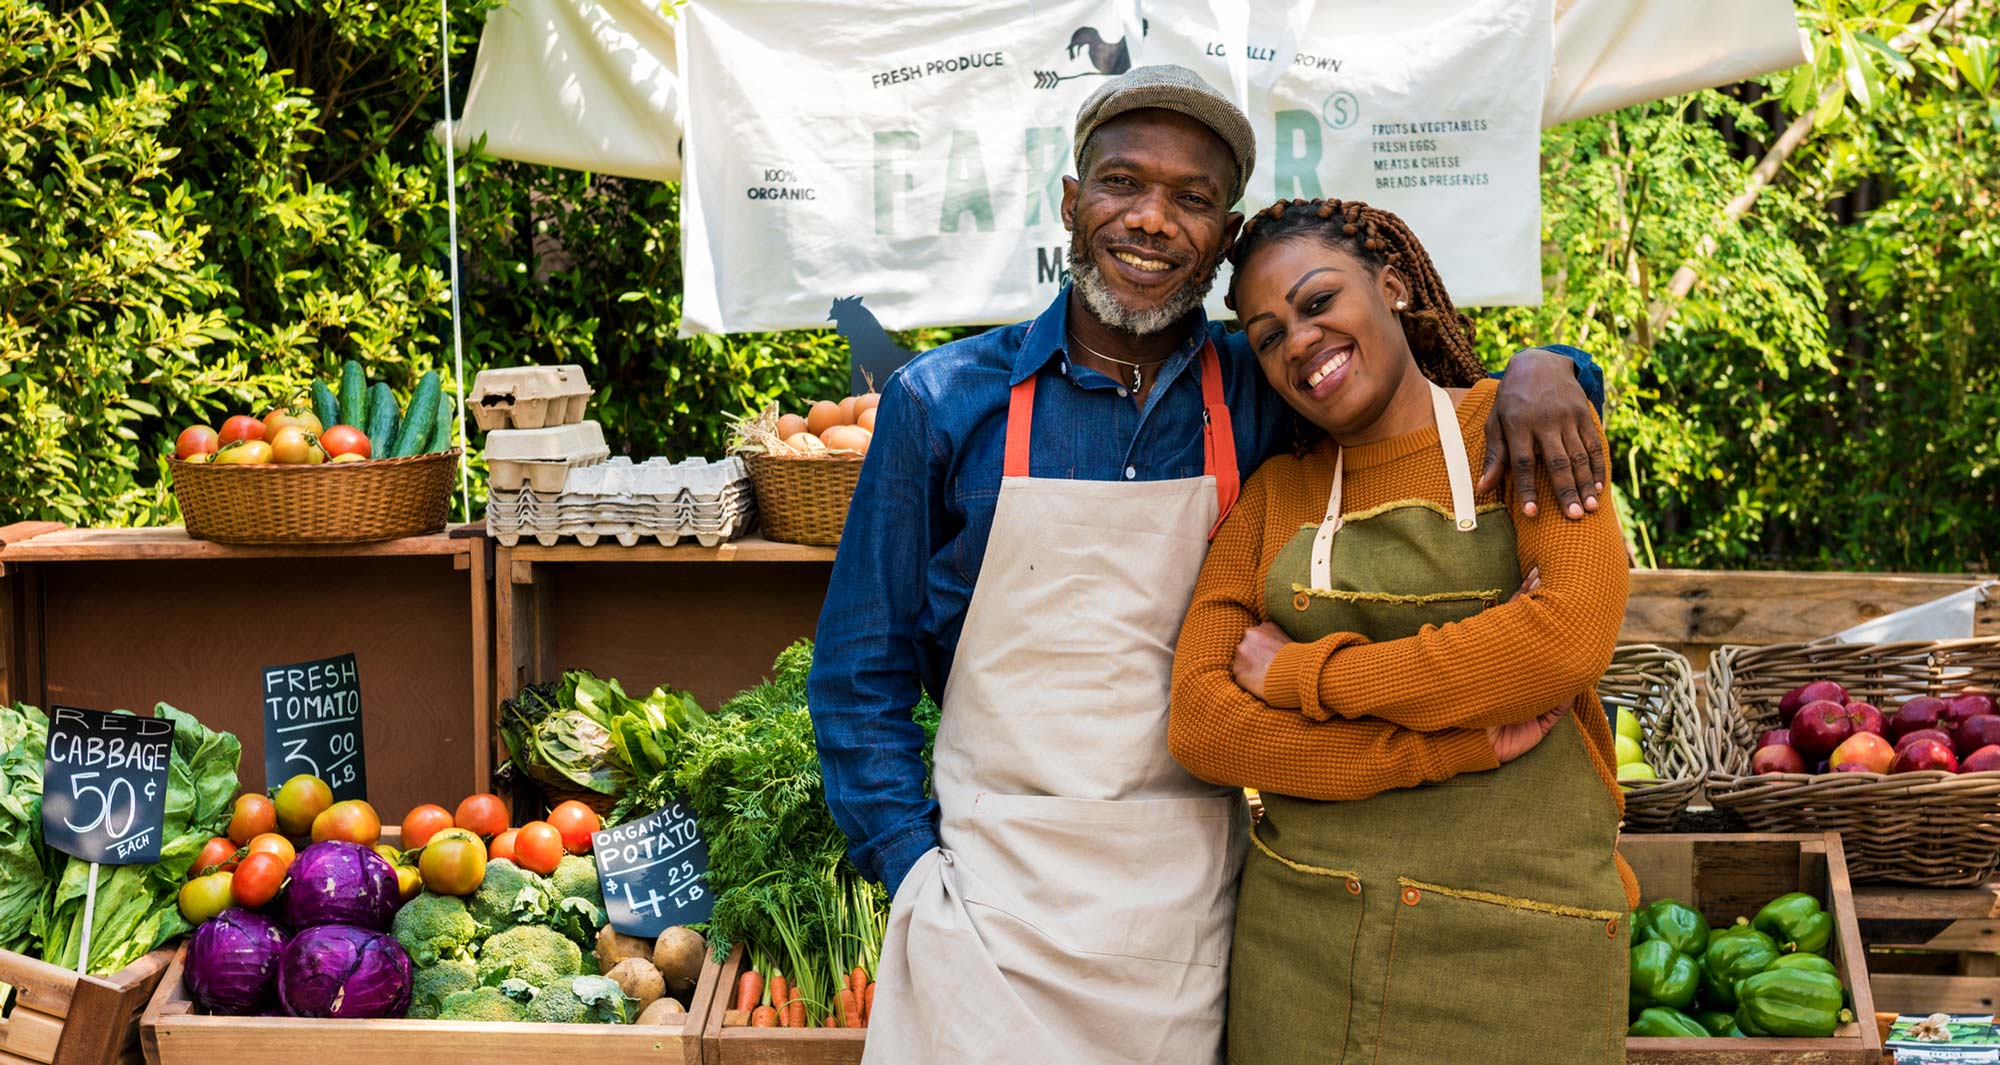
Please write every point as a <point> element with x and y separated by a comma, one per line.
<point>1402,305</point>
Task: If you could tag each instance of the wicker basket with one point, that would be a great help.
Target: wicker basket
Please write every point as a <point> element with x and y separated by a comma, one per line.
<point>804,500</point>
<point>1657,685</point>
<point>1935,829</point>
<point>330,503</point>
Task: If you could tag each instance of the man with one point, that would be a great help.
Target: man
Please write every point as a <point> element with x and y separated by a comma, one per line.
<point>1029,524</point>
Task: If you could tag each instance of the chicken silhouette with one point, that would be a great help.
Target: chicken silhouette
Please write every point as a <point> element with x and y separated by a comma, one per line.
<point>872,354</point>
<point>1107,58</point>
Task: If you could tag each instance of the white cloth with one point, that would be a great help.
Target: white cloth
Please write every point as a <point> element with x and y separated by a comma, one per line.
<point>1952,617</point>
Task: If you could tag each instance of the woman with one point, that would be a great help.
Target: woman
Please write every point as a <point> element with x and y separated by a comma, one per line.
<point>1409,900</point>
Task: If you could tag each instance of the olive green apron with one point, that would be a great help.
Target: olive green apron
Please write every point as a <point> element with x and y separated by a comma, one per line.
<point>1477,920</point>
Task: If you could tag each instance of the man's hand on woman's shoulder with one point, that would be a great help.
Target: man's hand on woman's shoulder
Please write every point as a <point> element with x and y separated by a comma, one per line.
<point>1540,409</point>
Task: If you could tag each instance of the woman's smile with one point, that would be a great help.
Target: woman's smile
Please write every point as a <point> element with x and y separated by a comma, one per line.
<point>1326,370</point>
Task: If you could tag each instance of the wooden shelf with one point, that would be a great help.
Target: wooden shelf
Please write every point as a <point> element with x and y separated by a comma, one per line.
<point>1889,902</point>
<point>172,542</point>
<point>747,549</point>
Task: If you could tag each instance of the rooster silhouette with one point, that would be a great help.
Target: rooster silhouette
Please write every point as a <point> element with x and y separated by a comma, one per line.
<point>872,354</point>
<point>1107,58</point>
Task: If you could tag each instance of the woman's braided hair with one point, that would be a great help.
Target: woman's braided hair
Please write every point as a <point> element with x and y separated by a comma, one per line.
<point>1440,337</point>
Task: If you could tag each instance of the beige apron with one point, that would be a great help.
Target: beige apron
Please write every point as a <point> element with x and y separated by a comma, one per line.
<point>1079,908</point>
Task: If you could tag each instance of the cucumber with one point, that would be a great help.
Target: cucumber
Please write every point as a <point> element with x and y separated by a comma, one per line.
<point>417,421</point>
<point>353,390</point>
<point>447,420</point>
<point>325,407</point>
<point>382,419</point>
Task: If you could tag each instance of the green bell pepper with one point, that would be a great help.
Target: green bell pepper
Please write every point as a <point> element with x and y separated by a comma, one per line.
<point>1796,922</point>
<point>1718,1022</point>
<point>1662,976</point>
<point>1734,954</point>
<point>1681,927</point>
<point>1660,1022</point>
<point>1808,962</point>
<point>1792,1002</point>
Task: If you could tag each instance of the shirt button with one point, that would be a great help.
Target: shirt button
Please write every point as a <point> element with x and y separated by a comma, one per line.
<point>1122,393</point>
<point>1131,472</point>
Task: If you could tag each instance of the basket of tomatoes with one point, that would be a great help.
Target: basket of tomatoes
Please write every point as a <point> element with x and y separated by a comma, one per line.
<point>322,468</point>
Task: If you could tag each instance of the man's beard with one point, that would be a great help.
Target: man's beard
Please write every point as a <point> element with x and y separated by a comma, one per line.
<point>1141,321</point>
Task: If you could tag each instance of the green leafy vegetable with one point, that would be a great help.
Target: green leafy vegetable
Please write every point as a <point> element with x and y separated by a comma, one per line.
<point>24,737</point>
<point>585,732</point>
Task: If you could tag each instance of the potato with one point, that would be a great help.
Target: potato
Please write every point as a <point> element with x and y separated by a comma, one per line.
<point>678,955</point>
<point>665,1011</point>
<point>639,980</point>
<point>614,946</point>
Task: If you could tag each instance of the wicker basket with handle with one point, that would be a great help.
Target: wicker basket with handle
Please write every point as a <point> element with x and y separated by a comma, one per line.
<point>328,503</point>
<point>1931,828</point>
<point>1657,685</point>
<point>804,500</point>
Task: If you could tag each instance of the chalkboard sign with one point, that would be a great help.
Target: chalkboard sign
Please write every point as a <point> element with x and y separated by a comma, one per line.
<point>312,724</point>
<point>104,785</point>
<point>654,871</point>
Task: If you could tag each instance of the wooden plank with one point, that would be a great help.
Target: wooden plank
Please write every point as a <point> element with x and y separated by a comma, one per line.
<point>38,985</point>
<point>16,1059</point>
<point>27,530</point>
<point>172,542</point>
<point>483,705</point>
<point>1834,1051</point>
<point>31,1035</point>
<point>751,548</point>
<point>1972,936</point>
<point>1853,955</point>
<point>1715,607</point>
<point>1903,993</point>
<point>1888,902</point>
<point>104,1014</point>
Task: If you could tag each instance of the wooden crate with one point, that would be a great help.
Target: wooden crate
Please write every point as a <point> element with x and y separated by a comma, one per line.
<point>54,1015</point>
<point>174,1034</point>
<point>1731,876</point>
<point>729,1040</point>
<point>1932,949</point>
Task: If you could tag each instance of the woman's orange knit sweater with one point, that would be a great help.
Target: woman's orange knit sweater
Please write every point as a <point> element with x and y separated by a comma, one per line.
<point>1347,719</point>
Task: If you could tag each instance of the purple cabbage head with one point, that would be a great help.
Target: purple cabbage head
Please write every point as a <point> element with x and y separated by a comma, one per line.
<point>337,970</point>
<point>335,882</point>
<point>232,962</point>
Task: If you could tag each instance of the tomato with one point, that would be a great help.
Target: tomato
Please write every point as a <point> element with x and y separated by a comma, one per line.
<point>352,820</point>
<point>503,845</point>
<point>216,852</point>
<point>241,427</point>
<point>341,440</point>
<point>205,896</point>
<point>483,815</point>
<point>423,822</point>
<point>294,446</point>
<point>453,865</point>
<point>303,798</point>
<point>538,847</point>
<point>290,418</point>
<point>409,882</point>
<point>272,843</point>
<point>253,816</point>
<point>196,440</point>
<point>258,879</point>
<point>576,822</point>
<point>244,453</point>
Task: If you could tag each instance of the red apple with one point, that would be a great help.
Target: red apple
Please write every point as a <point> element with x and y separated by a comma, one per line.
<point>1925,756</point>
<point>1866,749</point>
<point>1984,760</point>
<point>1867,718</point>
<point>1819,727</point>
<point>1811,692</point>
<point>1776,759</point>
<point>1774,738</point>
<point>1919,713</point>
<point>1964,707</point>
<point>1974,733</point>
<point>1852,767</point>
<point>1937,734</point>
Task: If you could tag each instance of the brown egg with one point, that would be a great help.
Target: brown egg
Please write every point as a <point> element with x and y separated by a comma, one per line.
<point>866,420</point>
<point>865,402</point>
<point>790,425</point>
<point>824,416</point>
<point>847,411</point>
<point>805,442</point>
<point>848,438</point>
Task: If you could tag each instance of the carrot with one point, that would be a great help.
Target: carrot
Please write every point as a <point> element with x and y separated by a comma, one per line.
<point>868,1005</point>
<point>795,1013</point>
<point>858,981</point>
<point>831,1023</point>
<point>781,998</point>
<point>764,1017</point>
<point>850,1010</point>
<point>749,989</point>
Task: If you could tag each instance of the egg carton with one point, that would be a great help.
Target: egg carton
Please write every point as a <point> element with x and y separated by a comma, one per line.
<point>529,397</point>
<point>589,534</point>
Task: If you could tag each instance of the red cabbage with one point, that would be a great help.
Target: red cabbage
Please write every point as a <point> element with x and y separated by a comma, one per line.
<point>231,962</point>
<point>335,882</point>
<point>337,970</point>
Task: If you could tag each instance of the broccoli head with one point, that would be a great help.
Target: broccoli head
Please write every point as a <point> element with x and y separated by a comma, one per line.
<point>580,1000</point>
<point>481,1004</point>
<point>432,928</point>
<point>576,878</point>
<point>510,895</point>
<point>529,952</point>
<point>433,984</point>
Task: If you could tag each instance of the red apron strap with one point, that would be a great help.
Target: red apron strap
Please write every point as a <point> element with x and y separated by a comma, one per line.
<point>1220,436</point>
<point>1020,420</point>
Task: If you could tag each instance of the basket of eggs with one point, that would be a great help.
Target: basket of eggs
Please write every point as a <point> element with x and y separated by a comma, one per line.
<point>804,468</point>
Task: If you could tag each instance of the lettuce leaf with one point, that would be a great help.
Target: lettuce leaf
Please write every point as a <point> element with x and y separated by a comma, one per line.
<point>24,874</point>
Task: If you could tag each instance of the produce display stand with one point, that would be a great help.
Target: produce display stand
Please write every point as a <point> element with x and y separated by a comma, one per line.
<point>730,1040</point>
<point>111,618</point>
<point>1932,949</point>
<point>176,1035</point>
<point>652,615</point>
<point>1726,877</point>
<point>53,1015</point>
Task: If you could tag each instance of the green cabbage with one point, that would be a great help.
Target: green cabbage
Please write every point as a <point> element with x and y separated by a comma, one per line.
<point>24,737</point>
